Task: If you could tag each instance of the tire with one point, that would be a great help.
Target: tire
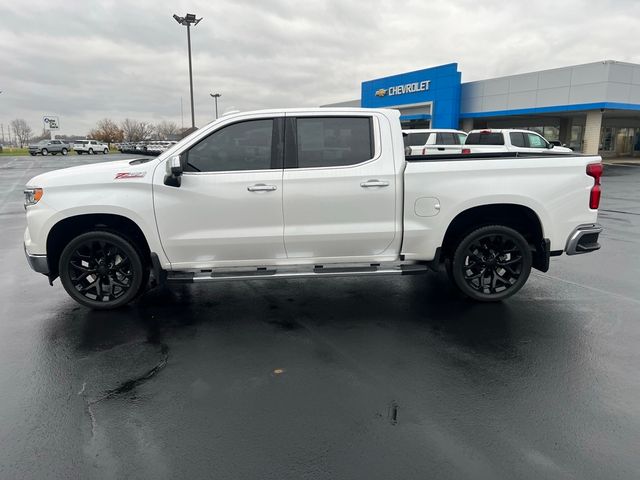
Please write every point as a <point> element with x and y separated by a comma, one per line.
<point>54,153</point>
<point>102,270</point>
<point>64,151</point>
<point>45,152</point>
<point>32,154</point>
<point>106,150</point>
<point>491,263</point>
<point>91,151</point>
<point>79,152</point>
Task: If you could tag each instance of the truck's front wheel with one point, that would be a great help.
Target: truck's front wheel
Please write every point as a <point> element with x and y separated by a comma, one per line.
<point>101,270</point>
<point>491,263</point>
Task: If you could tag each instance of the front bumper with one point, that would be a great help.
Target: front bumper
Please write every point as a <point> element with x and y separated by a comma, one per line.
<point>38,263</point>
<point>583,239</point>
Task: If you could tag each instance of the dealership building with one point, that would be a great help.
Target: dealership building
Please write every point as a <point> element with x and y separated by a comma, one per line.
<point>593,108</point>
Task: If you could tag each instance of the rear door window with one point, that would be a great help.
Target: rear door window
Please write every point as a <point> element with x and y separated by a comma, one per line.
<point>333,141</point>
<point>517,139</point>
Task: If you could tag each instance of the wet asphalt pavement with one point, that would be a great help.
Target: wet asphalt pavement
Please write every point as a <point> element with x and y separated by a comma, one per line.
<point>372,378</point>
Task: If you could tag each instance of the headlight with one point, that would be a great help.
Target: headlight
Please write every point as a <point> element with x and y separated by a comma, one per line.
<point>32,196</point>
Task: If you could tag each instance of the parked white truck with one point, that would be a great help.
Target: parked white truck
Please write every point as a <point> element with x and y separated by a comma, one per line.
<point>509,140</point>
<point>307,193</point>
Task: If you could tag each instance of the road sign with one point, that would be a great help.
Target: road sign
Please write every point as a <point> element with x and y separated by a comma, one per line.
<point>51,123</point>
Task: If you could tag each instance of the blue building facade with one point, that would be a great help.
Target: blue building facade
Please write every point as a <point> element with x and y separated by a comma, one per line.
<point>429,94</point>
<point>593,108</point>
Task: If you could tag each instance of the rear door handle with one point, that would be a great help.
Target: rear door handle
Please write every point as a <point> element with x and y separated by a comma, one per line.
<point>374,183</point>
<point>261,187</point>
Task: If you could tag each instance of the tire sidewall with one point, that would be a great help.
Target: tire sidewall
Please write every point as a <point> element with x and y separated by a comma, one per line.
<point>120,242</point>
<point>459,257</point>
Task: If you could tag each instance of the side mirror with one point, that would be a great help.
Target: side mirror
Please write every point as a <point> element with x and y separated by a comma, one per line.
<point>173,176</point>
<point>550,145</point>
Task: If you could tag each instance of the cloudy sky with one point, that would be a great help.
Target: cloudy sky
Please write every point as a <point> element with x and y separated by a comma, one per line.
<point>87,60</point>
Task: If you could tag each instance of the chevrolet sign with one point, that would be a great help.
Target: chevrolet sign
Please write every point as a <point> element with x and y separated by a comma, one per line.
<point>402,89</point>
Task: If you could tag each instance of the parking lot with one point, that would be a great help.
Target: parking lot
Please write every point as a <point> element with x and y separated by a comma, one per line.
<point>376,378</point>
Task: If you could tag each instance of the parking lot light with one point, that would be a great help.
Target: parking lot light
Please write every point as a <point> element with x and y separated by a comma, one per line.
<point>215,97</point>
<point>188,20</point>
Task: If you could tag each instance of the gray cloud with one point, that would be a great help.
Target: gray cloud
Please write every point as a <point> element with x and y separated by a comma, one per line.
<point>86,60</point>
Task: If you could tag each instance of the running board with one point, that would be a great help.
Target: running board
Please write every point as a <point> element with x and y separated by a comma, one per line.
<point>317,271</point>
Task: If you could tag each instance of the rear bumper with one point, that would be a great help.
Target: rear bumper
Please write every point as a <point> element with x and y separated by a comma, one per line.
<point>38,263</point>
<point>583,239</point>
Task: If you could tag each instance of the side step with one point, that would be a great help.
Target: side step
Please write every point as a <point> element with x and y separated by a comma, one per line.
<point>316,271</point>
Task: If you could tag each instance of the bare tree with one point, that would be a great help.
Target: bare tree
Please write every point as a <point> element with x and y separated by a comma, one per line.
<point>167,129</point>
<point>21,130</point>
<point>107,131</point>
<point>135,131</point>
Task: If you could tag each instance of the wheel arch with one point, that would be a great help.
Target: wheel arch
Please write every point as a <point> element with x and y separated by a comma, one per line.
<point>519,217</point>
<point>68,228</point>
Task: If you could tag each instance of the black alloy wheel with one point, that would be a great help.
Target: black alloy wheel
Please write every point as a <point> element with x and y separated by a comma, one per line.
<point>102,270</point>
<point>491,263</point>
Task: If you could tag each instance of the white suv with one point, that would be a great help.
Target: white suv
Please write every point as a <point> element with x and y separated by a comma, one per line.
<point>433,141</point>
<point>509,140</point>
<point>90,147</point>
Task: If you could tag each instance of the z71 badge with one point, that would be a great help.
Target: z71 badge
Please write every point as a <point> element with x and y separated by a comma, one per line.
<point>120,176</point>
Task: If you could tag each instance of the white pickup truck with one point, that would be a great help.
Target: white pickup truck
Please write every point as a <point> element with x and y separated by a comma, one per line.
<point>509,140</point>
<point>307,193</point>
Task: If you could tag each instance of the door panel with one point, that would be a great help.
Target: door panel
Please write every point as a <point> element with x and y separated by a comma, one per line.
<point>339,211</point>
<point>214,217</point>
<point>228,207</point>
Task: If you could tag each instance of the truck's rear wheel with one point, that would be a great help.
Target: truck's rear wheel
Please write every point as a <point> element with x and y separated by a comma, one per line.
<point>101,270</point>
<point>491,263</point>
<point>91,151</point>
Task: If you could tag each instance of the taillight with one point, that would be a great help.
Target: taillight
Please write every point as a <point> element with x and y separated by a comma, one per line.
<point>595,170</point>
<point>466,151</point>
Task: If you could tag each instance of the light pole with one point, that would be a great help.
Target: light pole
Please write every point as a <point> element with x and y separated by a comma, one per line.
<point>216,96</point>
<point>188,20</point>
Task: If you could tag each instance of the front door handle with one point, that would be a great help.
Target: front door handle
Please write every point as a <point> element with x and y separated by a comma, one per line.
<point>374,183</point>
<point>261,187</point>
